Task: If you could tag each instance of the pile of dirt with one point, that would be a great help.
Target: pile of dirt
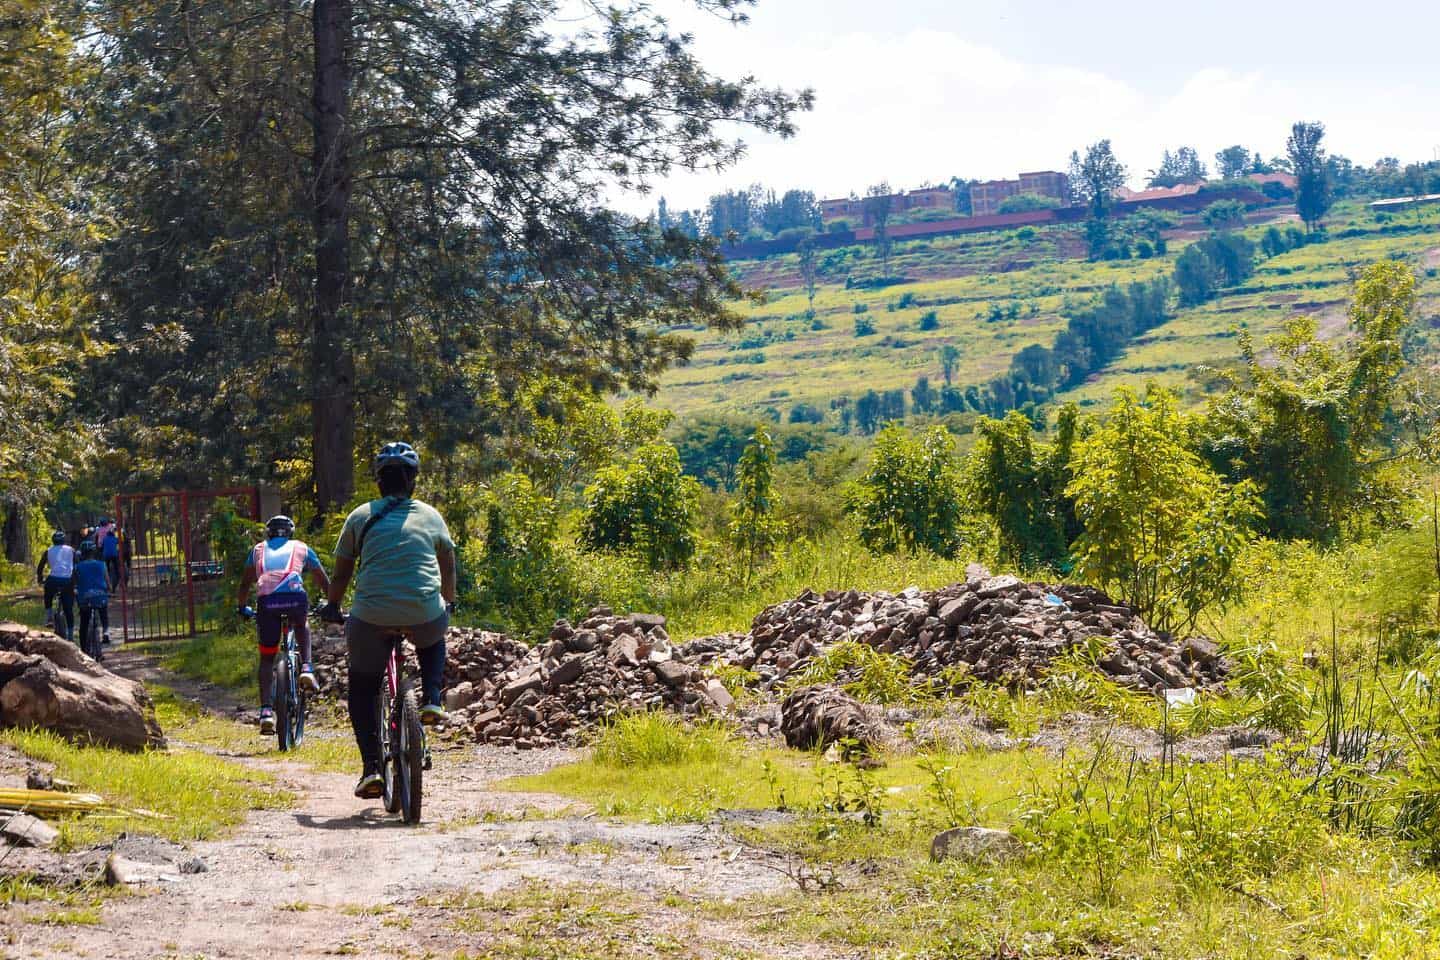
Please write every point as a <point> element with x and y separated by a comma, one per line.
<point>500,691</point>
<point>997,629</point>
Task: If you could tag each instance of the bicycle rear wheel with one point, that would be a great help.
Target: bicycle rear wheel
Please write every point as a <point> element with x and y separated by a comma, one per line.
<point>383,710</point>
<point>299,709</point>
<point>284,709</point>
<point>91,640</point>
<point>411,755</point>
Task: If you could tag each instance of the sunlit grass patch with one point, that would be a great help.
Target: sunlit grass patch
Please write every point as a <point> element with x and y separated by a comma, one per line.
<point>327,746</point>
<point>181,795</point>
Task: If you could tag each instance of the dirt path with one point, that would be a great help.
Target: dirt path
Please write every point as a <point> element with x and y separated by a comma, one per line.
<point>336,875</point>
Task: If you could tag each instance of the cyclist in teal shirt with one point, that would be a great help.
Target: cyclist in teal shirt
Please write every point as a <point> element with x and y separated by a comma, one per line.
<point>402,557</point>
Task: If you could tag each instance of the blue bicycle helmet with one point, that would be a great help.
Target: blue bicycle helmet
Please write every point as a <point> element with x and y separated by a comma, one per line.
<point>396,455</point>
<point>88,550</point>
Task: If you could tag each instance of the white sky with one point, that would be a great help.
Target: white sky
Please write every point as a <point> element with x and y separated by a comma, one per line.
<point>916,90</point>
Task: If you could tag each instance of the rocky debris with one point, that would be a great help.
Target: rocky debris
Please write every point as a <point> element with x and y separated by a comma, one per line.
<point>976,843</point>
<point>997,629</point>
<point>47,682</point>
<point>23,830</point>
<point>121,870</point>
<point>500,691</point>
<point>816,717</point>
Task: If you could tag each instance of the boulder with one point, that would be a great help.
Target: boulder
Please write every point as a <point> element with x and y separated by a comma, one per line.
<point>24,830</point>
<point>976,843</point>
<point>47,682</point>
<point>816,717</point>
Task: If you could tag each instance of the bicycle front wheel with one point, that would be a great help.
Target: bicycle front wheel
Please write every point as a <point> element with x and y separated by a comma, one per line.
<point>411,754</point>
<point>283,688</point>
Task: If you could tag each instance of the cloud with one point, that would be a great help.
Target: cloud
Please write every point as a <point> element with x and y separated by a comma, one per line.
<point>929,104</point>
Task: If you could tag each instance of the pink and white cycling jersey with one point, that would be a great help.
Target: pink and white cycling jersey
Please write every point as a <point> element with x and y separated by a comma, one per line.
<point>279,563</point>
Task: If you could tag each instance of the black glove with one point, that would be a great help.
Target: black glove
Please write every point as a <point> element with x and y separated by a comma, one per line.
<point>245,613</point>
<point>331,613</point>
<point>450,609</point>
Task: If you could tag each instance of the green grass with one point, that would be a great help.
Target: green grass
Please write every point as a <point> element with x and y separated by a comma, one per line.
<point>328,744</point>
<point>194,795</point>
<point>226,658</point>
<point>692,772</point>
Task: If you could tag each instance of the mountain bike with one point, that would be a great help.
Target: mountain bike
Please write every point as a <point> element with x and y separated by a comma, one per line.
<point>90,641</point>
<point>62,626</point>
<point>291,703</point>
<point>404,756</point>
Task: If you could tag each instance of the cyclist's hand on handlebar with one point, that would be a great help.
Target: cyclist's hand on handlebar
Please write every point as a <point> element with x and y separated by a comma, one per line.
<point>245,613</point>
<point>331,613</point>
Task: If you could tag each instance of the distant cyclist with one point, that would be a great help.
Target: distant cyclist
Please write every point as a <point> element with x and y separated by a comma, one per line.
<point>107,538</point>
<point>275,571</point>
<point>92,589</point>
<point>60,582</point>
<point>402,558</point>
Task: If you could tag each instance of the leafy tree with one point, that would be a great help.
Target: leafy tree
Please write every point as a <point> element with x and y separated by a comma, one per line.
<point>710,449</point>
<point>796,209</point>
<point>1232,163</point>
<point>879,205</point>
<point>1094,181</point>
<point>519,573</point>
<point>45,314</point>
<point>949,360</point>
<point>806,413</point>
<point>809,270</point>
<point>397,201</point>
<point>1224,215</point>
<point>645,507</point>
<point>922,397</point>
<point>868,412</point>
<point>1021,484</point>
<point>864,326</point>
<point>1182,166</point>
<point>1220,260</point>
<point>909,496</point>
<point>929,320</point>
<point>1306,419</point>
<point>1312,180</point>
<point>753,526</point>
<point>1160,528</point>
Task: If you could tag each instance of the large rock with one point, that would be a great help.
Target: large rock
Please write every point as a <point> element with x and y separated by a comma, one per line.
<point>47,682</point>
<point>976,843</point>
<point>818,716</point>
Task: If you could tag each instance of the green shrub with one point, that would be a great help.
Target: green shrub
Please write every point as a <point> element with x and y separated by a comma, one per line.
<point>645,506</point>
<point>909,497</point>
<point>1159,526</point>
<point>864,327</point>
<point>656,739</point>
<point>930,320</point>
<point>865,673</point>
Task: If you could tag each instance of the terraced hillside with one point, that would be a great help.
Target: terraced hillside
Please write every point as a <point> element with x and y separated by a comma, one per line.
<point>994,294</point>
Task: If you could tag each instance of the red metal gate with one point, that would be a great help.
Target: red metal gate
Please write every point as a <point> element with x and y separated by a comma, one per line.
<point>170,570</point>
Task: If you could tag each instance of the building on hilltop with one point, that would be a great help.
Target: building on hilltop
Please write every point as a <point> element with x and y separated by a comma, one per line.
<point>985,198</point>
<point>855,208</point>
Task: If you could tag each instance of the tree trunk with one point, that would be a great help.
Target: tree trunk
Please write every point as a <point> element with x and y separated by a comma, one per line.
<point>332,366</point>
<point>17,532</point>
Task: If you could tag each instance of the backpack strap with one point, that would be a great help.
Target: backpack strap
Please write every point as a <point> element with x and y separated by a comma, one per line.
<point>390,504</point>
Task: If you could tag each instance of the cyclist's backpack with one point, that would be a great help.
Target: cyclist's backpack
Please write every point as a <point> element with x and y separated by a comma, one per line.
<point>269,581</point>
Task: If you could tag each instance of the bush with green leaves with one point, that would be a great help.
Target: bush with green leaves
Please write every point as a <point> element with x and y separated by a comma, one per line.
<point>753,526</point>
<point>909,496</point>
<point>523,580</point>
<point>645,506</point>
<point>1021,483</point>
<point>1160,528</point>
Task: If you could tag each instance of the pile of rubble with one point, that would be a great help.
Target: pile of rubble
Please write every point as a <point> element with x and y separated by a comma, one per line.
<point>506,693</point>
<point>997,629</point>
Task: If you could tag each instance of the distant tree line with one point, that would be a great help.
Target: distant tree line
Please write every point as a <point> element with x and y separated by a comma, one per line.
<point>753,212</point>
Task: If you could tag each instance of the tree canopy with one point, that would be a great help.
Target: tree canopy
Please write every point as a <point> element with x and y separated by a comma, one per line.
<point>351,222</point>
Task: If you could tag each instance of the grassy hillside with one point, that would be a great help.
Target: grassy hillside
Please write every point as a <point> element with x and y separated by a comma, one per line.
<point>994,294</point>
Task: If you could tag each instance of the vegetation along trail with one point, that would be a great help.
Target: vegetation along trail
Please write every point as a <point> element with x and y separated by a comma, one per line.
<point>327,874</point>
